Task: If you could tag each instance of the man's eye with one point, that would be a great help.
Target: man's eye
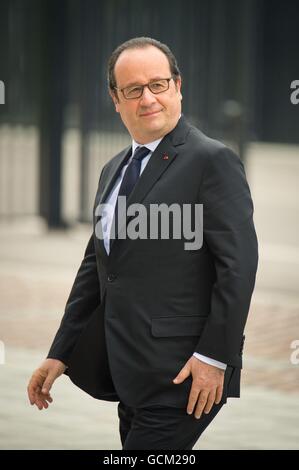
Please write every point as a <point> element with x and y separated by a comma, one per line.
<point>134,90</point>
<point>157,85</point>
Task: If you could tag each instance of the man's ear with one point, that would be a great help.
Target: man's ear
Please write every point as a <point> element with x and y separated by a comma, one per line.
<point>115,99</point>
<point>178,85</point>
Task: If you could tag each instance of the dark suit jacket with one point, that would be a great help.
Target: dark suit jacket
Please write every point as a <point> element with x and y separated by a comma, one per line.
<point>135,317</point>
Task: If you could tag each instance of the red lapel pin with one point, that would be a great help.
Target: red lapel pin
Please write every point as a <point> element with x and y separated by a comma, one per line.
<point>165,156</point>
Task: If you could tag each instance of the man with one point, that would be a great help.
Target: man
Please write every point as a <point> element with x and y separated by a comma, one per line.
<point>149,323</point>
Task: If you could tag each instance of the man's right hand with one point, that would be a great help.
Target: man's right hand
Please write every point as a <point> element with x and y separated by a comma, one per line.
<point>42,380</point>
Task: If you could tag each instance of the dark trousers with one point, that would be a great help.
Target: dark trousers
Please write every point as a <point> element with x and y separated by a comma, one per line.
<point>159,427</point>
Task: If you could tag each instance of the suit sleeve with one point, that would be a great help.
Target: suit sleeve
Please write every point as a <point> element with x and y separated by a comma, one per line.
<point>229,233</point>
<point>84,298</point>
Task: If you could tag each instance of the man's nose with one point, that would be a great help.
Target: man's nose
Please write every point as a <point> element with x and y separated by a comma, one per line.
<point>147,97</point>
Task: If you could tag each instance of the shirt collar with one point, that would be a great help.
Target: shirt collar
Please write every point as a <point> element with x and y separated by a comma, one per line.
<point>151,145</point>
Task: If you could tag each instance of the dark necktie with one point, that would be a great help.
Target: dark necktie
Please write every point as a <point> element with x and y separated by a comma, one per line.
<point>129,180</point>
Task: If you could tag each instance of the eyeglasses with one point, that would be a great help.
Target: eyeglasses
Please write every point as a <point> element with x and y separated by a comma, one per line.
<point>135,91</point>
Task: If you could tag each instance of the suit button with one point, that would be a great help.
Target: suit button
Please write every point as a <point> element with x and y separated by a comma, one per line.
<point>111,277</point>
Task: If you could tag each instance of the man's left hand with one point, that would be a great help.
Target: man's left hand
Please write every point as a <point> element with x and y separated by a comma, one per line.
<point>207,385</point>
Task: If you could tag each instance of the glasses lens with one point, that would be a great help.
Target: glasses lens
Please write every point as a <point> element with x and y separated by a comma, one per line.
<point>158,86</point>
<point>132,92</point>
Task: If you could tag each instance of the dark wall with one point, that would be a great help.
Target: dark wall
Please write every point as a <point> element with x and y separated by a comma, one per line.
<point>20,60</point>
<point>237,58</point>
<point>277,117</point>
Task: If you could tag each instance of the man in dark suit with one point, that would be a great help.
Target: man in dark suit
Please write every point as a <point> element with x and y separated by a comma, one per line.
<point>149,323</point>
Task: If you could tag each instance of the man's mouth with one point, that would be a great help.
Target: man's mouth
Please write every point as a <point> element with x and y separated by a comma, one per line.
<point>151,113</point>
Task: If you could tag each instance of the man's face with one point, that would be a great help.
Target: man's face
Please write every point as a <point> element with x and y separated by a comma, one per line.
<point>151,116</point>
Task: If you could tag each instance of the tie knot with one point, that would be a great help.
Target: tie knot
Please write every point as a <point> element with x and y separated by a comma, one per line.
<point>140,153</point>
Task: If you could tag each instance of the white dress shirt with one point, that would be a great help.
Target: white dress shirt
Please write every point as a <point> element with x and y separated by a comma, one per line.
<point>108,213</point>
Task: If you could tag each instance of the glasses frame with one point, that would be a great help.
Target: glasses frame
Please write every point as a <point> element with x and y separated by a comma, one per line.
<point>143,86</point>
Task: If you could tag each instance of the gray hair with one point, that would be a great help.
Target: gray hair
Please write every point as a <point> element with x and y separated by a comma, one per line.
<point>141,43</point>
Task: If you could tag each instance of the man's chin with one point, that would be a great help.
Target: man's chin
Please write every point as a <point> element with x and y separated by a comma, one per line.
<point>155,131</point>
<point>154,123</point>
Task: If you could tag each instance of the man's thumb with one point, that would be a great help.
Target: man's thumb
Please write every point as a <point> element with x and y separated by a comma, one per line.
<point>48,384</point>
<point>183,374</point>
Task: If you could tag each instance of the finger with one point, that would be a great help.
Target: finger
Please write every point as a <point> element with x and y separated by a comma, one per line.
<point>41,402</point>
<point>34,385</point>
<point>193,397</point>
<point>42,398</point>
<point>48,383</point>
<point>31,390</point>
<point>31,395</point>
<point>210,402</point>
<point>37,393</point>
<point>38,398</point>
<point>44,395</point>
<point>219,394</point>
<point>201,403</point>
<point>46,398</point>
<point>34,397</point>
<point>182,375</point>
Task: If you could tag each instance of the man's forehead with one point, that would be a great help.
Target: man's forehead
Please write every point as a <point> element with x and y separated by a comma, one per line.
<point>142,57</point>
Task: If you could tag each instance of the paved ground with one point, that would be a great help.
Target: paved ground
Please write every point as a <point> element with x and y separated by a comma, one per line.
<point>264,418</point>
<point>37,270</point>
<point>36,273</point>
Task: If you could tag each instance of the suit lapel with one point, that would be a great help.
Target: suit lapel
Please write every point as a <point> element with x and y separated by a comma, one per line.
<point>114,173</point>
<point>108,184</point>
<point>161,158</point>
<point>159,162</point>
